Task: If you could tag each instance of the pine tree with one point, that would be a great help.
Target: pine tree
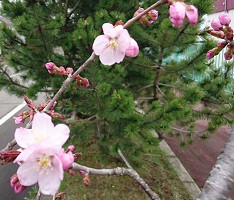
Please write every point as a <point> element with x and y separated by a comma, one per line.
<point>166,89</point>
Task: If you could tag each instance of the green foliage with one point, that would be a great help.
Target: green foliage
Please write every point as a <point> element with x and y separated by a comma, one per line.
<point>119,108</point>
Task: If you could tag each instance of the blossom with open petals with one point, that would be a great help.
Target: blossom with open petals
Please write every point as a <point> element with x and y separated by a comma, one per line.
<point>111,47</point>
<point>43,131</point>
<point>40,163</point>
<point>39,159</point>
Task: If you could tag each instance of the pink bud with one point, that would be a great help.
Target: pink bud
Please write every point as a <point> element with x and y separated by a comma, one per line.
<point>61,71</point>
<point>15,183</point>
<point>191,14</point>
<point>210,54</point>
<point>216,25</point>
<point>50,65</point>
<point>228,55</point>
<point>67,159</point>
<point>148,18</point>
<point>133,49</point>
<point>71,148</point>
<point>225,19</point>
<point>18,120</point>
<point>177,13</point>
<point>69,70</point>
<point>86,82</point>
<point>82,172</point>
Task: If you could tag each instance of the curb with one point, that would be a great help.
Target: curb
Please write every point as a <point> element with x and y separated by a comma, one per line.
<point>184,176</point>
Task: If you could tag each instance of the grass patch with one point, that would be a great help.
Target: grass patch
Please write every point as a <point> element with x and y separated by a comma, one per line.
<point>155,170</point>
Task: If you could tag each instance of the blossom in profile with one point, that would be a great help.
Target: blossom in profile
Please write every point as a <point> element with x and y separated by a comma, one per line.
<point>133,49</point>
<point>15,183</point>
<point>216,25</point>
<point>179,10</point>
<point>111,47</point>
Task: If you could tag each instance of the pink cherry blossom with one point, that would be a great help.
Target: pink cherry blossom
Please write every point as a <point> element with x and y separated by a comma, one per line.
<point>40,163</point>
<point>111,46</point>
<point>225,19</point>
<point>216,25</point>
<point>43,131</point>
<point>133,49</point>
<point>51,67</point>
<point>191,13</point>
<point>148,18</point>
<point>18,120</point>
<point>177,13</point>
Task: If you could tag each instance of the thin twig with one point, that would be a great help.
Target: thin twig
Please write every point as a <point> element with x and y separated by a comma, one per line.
<point>124,159</point>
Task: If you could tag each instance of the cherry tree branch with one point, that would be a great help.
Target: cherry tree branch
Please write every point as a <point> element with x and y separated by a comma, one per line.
<point>119,171</point>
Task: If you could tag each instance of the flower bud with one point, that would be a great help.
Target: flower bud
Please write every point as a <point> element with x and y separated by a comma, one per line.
<point>86,180</point>
<point>191,14</point>
<point>69,70</point>
<point>210,54</point>
<point>18,120</point>
<point>225,19</point>
<point>15,183</point>
<point>51,67</point>
<point>177,13</point>
<point>218,34</point>
<point>216,25</point>
<point>221,45</point>
<point>228,55</point>
<point>67,159</point>
<point>148,18</point>
<point>8,156</point>
<point>61,71</point>
<point>133,49</point>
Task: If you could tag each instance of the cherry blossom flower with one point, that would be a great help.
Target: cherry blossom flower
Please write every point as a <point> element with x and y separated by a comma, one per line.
<point>43,131</point>
<point>111,47</point>
<point>40,158</point>
<point>40,163</point>
<point>178,11</point>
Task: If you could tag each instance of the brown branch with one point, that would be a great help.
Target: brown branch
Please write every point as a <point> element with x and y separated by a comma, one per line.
<point>157,74</point>
<point>134,19</point>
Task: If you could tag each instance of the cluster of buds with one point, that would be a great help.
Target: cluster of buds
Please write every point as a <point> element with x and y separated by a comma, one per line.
<point>81,81</point>
<point>8,156</point>
<point>148,18</point>
<point>22,116</point>
<point>16,185</point>
<point>53,69</point>
<point>222,30</point>
<point>179,10</point>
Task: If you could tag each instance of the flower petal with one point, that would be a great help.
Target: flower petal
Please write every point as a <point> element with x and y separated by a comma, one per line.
<point>27,174</point>
<point>42,125</point>
<point>107,57</point>
<point>119,56</point>
<point>100,44</point>
<point>24,137</point>
<point>57,137</point>
<point>124,40</point>
<point>49,182</point>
